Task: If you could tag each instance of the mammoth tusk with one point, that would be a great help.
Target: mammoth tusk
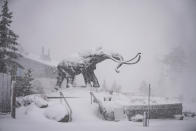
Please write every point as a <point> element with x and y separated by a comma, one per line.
<point>132,58</point>
<point>117,71</point>
<point>128,62</point>
<point>117,68</point>
<point>120,61</point>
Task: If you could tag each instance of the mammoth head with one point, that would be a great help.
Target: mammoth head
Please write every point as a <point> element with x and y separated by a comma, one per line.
<point>117,58</point>
<point>120,60</point>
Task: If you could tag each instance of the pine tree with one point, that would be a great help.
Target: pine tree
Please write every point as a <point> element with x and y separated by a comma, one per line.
<point>23,84</point>
<point>27,82</point>
<point>8,41</point>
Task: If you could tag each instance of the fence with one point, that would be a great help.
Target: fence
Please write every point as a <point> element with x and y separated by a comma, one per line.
<point>5,93</point>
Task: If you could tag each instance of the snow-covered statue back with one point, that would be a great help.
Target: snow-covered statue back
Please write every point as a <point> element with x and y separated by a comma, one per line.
<point>85,63</point>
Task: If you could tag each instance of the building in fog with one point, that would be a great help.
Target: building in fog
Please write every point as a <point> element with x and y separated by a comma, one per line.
<point>45,55</point>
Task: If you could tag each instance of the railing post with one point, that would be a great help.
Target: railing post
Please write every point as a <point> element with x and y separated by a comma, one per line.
<point>67,105</point>
<point>145,123</point>
<point>149,93</point>
<point>91,97</point>
<point>13,100</point>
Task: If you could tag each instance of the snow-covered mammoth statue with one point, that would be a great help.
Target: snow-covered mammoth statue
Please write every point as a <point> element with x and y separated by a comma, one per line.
<point>85,64</point>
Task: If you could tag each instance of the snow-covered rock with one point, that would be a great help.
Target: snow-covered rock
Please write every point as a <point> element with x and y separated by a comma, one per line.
<point>137,118</point>
<point>57,112</point>
<point>179,117</point>
<point>38,100</point>
<point>189,114</point>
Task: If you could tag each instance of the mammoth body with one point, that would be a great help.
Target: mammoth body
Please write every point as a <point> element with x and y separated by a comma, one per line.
<point>85,64</point>
<point>69,69</point>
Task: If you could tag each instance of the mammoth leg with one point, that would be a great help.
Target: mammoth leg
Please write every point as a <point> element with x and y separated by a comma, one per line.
<point>59,81</point>
<point>70,81</point>
<point>87,80</point>
<point>60,77</point>
<point>94,80</point>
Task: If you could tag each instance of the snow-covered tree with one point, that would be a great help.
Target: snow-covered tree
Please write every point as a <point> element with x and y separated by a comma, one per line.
<point>8,42</point>
<point>175,60</point>
<point>24,85</point>
<point>115,88</point>
<point>27,82</point>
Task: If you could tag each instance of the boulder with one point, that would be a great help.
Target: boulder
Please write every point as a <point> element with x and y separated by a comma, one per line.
<point>38,100</point>
<point>137,118</point>
<point>179,117</point>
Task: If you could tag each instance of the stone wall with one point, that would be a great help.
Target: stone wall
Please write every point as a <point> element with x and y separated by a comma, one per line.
<point>156,111</point>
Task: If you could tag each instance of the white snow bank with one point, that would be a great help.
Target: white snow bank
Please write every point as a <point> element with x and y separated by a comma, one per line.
<point>38,100</point>
<point>84,118</point>
<point>56,112</point>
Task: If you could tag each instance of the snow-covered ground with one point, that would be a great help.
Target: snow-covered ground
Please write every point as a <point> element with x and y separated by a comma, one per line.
<point>85,117</point>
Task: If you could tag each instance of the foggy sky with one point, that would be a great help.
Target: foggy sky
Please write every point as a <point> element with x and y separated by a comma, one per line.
<point>164,31</point>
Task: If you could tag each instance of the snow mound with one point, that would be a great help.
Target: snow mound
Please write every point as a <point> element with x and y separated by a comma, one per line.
<point>57,112</point>
<point>179,117</point>
<point>137,118</point>
<point>38,100</point>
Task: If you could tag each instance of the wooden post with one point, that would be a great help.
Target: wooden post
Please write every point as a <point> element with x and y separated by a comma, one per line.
<point>149,91</point>
<point>13,100</point>
<point>145,122</point>
<point>91,97</point>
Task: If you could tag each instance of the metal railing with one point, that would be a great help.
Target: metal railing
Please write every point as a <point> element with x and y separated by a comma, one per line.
<point>68,108</point>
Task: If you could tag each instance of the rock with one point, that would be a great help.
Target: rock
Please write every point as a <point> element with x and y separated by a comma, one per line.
<point>65,119</point>
<point>107,98</point>
<point>179,117</point>
<point>27,100</point>
<point>189,114</point>
<point>108,116</point>
<point>137,118</point>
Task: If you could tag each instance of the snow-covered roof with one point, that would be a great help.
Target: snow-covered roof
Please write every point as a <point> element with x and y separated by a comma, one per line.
<point>37,58</point>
